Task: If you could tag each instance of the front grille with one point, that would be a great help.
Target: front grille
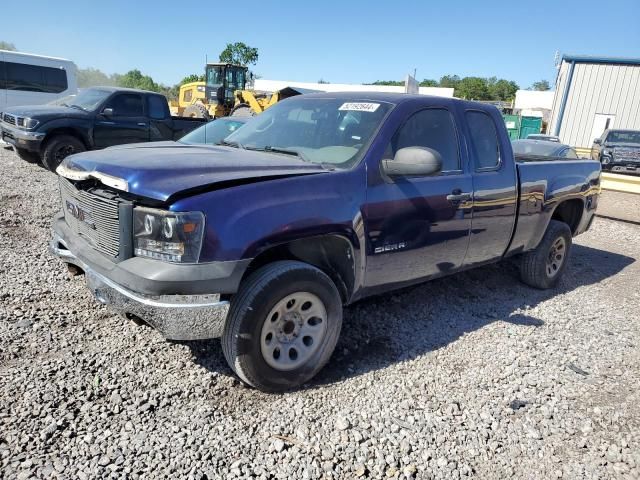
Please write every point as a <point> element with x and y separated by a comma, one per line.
<point>627,154</point>
<point>92,217</point>
<point>10,119</point>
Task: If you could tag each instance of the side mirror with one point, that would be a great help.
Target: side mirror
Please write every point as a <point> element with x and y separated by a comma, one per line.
<point>597,141</point>
<point>413,162</point>
<point>107,112</point>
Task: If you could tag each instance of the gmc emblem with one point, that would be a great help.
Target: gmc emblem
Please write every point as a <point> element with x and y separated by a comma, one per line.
<point>81,215</point>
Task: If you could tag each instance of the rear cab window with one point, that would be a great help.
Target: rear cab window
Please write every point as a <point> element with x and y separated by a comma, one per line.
<point>157,107</point>
<point>484,140</point>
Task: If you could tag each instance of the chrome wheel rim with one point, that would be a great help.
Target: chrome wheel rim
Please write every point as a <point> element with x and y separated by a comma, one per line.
<point>556,257</point>
<point>293,331</point>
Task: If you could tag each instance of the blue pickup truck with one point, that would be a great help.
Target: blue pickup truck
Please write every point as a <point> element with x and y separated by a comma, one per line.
<point>320,201</point>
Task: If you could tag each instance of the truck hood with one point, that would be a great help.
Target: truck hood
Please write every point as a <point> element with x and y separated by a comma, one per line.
<point>161,170</point>
<point>44,113</point>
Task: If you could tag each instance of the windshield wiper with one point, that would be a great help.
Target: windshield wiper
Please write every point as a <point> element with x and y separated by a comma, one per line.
<point>284,151</point>
<point>231,144</point>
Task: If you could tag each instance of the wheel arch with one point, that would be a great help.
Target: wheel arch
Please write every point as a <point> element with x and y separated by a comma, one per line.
<point>569,211</point>
<point>334,254</point>
<point>66,131</point>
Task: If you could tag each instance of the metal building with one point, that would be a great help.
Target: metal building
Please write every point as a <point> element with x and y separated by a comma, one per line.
<point>592,94</point>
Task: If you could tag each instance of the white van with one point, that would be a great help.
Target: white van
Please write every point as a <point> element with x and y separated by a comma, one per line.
<point>27,79</point>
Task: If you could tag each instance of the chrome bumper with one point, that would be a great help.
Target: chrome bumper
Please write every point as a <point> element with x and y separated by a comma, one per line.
<point>176,317</point>
<point>21,134</point>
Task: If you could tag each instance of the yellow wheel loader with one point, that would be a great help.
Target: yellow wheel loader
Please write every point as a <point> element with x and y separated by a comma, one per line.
<point>224,94</point>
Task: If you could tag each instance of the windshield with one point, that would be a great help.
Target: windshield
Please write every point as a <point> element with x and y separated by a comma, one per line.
<point>66,100</point>
<point>212,132</point>
<point>88,99</point>
<point>318,130</point>
<point>214,76</point>
<point>624,137</point>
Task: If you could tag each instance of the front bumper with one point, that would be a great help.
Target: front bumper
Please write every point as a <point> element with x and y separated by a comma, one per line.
<point>20,138</point>
<point>176,317</point>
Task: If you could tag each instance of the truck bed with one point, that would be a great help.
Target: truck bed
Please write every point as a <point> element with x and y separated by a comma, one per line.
<point>570,179</point>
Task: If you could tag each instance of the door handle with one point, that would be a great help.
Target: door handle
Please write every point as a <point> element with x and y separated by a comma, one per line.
<point>458,196</point>
<point>142,124</point>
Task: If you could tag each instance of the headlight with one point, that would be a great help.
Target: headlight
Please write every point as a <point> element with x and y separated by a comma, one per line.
<point>169,236</point>
<point>27,123</point>
<point>30,123</point>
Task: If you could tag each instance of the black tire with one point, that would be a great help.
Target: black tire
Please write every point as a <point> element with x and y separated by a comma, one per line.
<point>58,148</point>
<point>541,268</point>
<point>242,110</point>
<point>250,308</point>
<point>197,110</point>
<point>27,156</point>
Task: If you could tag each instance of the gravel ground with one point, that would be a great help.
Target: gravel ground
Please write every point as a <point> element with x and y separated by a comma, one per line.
<point>471,376</point>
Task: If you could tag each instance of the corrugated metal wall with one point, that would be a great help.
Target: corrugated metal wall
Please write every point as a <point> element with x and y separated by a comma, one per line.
<point>596,88</point>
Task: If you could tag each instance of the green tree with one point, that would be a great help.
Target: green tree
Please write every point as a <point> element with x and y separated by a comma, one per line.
<point>504,90</point>
<point>194,77</point>
<point>541,86</point>
<point>135,79</point>
<point>392,83</point>
<point>428,82</point>
<point>7,46</point>
<point>92,77</point>
<point>240,54</point>
<point>449,81</point>
<point>473,88</point>
<point>322,80</point>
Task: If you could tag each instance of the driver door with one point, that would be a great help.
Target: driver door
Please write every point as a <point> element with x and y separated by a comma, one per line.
<point>126,123</point>
<point>418,227</point>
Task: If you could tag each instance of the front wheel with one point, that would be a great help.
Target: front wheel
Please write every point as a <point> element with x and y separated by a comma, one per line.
<point>58,148</point>
<point>543,267</point>
<point>283,326</point>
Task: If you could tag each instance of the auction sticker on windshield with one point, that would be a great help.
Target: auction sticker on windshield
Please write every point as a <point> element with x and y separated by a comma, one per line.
<point>360,107</point>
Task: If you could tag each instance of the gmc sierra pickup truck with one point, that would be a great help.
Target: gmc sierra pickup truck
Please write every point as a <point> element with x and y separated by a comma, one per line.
<point>316,203</point>
<point>95,118</point>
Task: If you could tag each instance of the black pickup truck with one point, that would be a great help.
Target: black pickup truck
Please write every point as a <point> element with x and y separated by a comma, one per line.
<point>318,202</point>
<point>618,151</point>
<point>96,118</point>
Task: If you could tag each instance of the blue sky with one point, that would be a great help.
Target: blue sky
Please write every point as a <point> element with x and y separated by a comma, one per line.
<point>338,41</point>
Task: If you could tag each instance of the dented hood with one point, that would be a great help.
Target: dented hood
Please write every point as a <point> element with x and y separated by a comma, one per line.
<point>163,169</point>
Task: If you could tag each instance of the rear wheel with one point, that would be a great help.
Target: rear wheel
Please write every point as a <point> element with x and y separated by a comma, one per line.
<point>283,326</point>
<point>27,156</point>
<point>543,267</point>
<point>58,148</point>
<point>197,110</point>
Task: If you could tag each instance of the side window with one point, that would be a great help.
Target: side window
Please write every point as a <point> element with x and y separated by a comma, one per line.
<point>187,95</point>
<point>570,153</point>
<point>157,107</point>
<point>432,128</point>
<point>55,80</point>
<point>2,75</point>
<point>35,78</point>
<point>127,105</point>
<point>484,140</point>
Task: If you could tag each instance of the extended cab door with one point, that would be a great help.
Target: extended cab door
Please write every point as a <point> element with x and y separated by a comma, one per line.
<point>122,120</point>
<point>160,121</point>
<point>418,227</point>
<point>495,186</point>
